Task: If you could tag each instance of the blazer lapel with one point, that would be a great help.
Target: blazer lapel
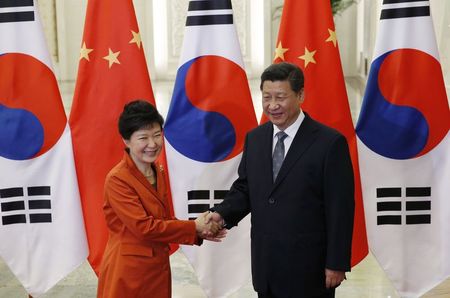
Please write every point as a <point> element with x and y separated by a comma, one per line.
<point>140,177</point>
<point>266,149</point>
<point>162,187</point>
<point>304,137</point>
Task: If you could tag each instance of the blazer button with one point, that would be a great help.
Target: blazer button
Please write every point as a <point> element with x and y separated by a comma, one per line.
<point>271,201</point>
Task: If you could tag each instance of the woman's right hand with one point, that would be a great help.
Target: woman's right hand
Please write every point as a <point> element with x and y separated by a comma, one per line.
<point>209,229</point>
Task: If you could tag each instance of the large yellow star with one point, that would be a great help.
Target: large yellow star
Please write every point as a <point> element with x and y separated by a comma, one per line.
<point>279,51</point>
<point>136,38</point>
<point>332,37</point>
<point>112,57</point>
<point>308,57</point>
<point>84,52</point>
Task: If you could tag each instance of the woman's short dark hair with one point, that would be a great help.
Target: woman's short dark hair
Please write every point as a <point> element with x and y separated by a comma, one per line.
<point>284,71</point>
<point>136,115</point>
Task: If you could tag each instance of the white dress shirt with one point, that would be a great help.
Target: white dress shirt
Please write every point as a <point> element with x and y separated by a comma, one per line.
<point>290,131</point>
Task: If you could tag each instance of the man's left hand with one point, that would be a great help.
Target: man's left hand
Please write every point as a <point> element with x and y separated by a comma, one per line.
<point>333,278</point>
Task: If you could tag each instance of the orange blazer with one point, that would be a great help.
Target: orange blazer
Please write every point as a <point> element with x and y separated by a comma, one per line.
<point>136,258</point>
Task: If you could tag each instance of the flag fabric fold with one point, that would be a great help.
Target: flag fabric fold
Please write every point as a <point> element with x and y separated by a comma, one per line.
<point>112,72</point>
<point>210,112</point>
<point>42,230</point>
<point>307,38</point>
<point>404,147</point>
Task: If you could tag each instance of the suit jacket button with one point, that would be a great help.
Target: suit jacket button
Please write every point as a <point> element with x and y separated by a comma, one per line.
<point>271,201</point>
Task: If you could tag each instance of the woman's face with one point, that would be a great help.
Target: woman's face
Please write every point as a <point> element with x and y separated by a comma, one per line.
<point>145,144</point>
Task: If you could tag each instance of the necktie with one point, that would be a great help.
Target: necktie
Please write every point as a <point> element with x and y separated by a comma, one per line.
<point>278,154</point>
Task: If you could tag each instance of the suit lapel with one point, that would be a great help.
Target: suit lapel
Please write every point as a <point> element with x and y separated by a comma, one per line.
<point>267,155</point>
<point>304,137</point>
<point>140,177</point>
<point>161,186</point>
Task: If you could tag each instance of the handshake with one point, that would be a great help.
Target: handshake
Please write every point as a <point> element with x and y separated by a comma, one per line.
<point>209,226</point>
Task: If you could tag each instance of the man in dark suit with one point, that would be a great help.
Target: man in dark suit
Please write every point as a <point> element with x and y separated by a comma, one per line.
<point>296,179</point>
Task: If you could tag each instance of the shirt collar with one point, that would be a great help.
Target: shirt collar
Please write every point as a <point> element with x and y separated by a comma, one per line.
<point>291,130</point>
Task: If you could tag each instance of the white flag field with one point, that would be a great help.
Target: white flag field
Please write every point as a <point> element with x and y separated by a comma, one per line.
<point>41,229</point>
<point>404,146</point>
<point>210,112</point>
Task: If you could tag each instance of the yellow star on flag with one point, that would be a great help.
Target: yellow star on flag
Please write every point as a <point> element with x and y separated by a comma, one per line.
<point>279,51</point>
<point>332,37</point>
<point>308,57</point>
<point>112,57</point>
<point>84,52</point>
<point>136,38</point>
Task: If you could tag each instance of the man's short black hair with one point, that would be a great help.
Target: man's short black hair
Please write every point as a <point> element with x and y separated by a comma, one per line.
<point>136,115</point>
<point>284,71</point>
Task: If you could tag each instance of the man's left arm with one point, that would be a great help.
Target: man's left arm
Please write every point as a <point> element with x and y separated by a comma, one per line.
<point>339,210</point>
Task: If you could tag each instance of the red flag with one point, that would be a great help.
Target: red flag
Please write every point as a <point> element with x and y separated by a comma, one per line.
<point>112,71</point>
<point>307,38</point>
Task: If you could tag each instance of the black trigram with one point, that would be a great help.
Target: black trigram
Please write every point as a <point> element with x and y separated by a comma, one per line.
<point>14,207</point>
<point>12,11</point>
<point>209,12</point>
<point>200,201</point>
<point>417,205</point>
<point>403,9</point>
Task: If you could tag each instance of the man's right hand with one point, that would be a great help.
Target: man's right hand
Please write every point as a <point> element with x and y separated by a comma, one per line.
<point>215,217</point>
<point>208,228</point>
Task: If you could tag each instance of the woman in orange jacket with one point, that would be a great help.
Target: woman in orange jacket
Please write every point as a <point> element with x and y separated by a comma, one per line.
<point>136,258</point>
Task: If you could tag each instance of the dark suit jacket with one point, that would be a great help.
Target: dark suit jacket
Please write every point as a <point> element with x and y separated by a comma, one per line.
<point>302,223</point>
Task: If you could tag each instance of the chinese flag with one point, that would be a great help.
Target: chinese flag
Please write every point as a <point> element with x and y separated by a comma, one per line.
<point>112,71</point>
<point>307,38</point>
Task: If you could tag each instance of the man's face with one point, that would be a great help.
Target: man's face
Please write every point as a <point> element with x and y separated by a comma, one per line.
<point>280,103</point>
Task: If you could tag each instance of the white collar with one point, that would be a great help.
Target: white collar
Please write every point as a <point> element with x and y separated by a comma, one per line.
<point>292,129</point>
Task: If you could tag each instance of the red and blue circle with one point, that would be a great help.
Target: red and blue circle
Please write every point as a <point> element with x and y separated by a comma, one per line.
<point>32,117</point>
<point>405,112</point>
<point>211,110</point>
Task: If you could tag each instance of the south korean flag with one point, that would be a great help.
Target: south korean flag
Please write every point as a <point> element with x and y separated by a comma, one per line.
<point>404,147</point>
<point>41,225</point>
<point>210,113</point>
